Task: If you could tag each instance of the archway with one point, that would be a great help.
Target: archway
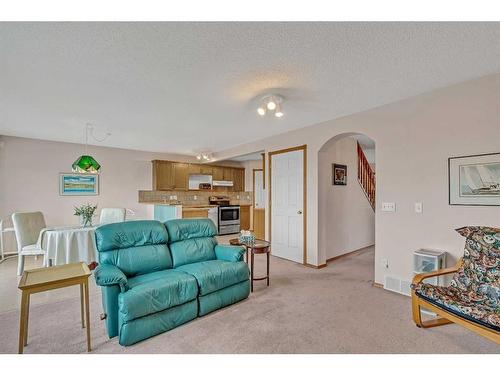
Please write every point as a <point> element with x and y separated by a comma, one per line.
<point>346,196</point>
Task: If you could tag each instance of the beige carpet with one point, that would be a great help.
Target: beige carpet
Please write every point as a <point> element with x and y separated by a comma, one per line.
<point>332,310</point>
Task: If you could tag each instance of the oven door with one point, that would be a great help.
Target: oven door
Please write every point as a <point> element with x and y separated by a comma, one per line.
<point>229,215</point>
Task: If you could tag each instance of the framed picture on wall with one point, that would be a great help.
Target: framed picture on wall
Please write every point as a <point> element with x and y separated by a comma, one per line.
<point>339,172</point>
<point>474,180</point>
<point>78,184</point>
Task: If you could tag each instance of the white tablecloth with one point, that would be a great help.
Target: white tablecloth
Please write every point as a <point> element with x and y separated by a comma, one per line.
<point>69,245</point>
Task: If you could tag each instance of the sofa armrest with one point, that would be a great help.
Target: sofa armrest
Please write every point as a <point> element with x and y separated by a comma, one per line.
<point>445,271</point>
<point>229,253</point>
<point>107,275</point>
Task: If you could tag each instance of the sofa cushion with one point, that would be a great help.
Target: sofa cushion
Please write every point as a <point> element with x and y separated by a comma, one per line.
<point>468,305</point>
<point>130,234</point>
<point>135,247</point>
<point>155,292</point>
<point>480,270</point>
<point>193,250</point>
<point>214,275</point>
<point>185,229</point>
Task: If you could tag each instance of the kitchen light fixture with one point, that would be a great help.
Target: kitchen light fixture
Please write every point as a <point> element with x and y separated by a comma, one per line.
<point>86,163</point>
<point>271,103</point>
<point>261,111</point>
<point>205,156</point>
<point>278,113</point>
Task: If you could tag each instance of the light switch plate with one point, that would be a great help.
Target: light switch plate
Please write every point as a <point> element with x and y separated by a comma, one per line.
<point>388,206</point>
<point>419,207</point>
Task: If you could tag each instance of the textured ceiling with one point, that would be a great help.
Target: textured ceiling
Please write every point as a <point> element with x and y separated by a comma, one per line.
<point>189,87</point>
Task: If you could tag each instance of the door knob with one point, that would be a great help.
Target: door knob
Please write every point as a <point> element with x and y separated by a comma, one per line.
<point>299,212</point>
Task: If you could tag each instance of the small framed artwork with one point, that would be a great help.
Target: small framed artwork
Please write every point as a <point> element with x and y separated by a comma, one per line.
<point>78,184</point>
<point>339,174</point>
<point>474,180</point>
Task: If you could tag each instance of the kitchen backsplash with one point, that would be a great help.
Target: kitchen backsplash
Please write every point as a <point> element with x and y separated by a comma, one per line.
<point>192,197</point>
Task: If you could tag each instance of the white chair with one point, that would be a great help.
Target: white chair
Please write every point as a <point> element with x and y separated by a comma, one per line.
<point>3,230</point>
<point>112,215</point>
<point>27,226</point>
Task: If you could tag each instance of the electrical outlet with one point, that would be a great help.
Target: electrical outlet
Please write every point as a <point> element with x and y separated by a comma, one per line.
<point>237,197</point>
<point>195,197</point>
<point>173,197</point>
<point>419,207</point>
<point>388,206</point>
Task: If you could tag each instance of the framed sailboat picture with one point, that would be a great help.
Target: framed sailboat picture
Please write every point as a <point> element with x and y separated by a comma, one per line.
<point>474,180</point>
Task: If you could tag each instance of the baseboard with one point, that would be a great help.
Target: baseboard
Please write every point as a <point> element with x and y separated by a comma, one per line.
<point>315,267</point>
<point>377,285</point>
<point>349,253</point>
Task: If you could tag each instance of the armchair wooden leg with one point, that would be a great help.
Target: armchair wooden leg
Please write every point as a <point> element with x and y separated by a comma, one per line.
<point>417,316</point>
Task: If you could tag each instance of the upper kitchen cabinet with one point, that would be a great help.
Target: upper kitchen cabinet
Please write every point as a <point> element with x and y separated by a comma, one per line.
<point>206,169</point>
<point>163,175</point>
<point>238,179</point>
<point>217,173</point>
<point>181,176</point>
<point>170,175</point>
<point>227,174</point>
<point>194,169</point>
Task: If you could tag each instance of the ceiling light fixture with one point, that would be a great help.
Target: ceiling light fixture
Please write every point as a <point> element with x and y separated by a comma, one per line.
<point>86,163</point>
<point>278,113</point>
<point>271,103</point>
<point>261,111</point>
<point>204,156</point>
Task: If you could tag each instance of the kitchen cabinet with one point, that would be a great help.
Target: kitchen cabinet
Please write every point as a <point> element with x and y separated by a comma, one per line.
<point>217,173</point>
<point>162,175</point>
<point>170,175</point>
<point>245,217</point>
<point>206,169</point>
<point>195,213</point>
<point>180,176</point>
<point>194,169</point>
<point>227,174</point>
<point>238,179</point>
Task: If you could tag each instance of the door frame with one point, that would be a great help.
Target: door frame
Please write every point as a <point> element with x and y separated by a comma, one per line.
<point>302,148</point>
<point>253,183</point>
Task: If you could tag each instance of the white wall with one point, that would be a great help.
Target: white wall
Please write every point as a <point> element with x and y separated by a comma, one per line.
<point>414,139</point>
<point>347,217</point>
<point>29,175</point>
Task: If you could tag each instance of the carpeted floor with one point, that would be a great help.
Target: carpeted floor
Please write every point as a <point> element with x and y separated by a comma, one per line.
<point>332,310</point>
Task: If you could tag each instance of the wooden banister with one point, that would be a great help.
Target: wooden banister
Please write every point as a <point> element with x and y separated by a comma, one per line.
<point>366,177</point>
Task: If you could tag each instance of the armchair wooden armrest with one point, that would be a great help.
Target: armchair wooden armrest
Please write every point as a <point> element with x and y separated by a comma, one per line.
<point>445,271</point>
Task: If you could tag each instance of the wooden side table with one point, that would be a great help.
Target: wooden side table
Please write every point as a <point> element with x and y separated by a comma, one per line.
<point>257,247</point>
<point>43,279</point>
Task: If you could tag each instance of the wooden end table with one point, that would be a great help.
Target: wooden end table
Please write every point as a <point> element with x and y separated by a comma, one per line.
<point>48,278</point>
<point>257,247</point>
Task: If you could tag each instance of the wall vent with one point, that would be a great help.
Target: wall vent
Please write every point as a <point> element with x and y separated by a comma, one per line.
<point>397,285</point>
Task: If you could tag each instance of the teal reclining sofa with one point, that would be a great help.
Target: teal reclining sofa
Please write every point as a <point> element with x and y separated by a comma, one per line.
<point>155,276</point>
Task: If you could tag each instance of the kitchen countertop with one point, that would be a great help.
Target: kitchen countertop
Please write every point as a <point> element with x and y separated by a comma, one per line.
<point>195,206</point>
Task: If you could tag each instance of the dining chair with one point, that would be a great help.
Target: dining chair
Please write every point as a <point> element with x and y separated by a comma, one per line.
<point>27,227</point>
<point>4,230</point>
<point>112,215</point>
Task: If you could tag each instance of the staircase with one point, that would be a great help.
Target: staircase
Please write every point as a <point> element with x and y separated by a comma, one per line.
<point>366,177</point>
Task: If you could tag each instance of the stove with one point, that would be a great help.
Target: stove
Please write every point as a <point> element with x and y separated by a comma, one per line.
<point>228,215</point>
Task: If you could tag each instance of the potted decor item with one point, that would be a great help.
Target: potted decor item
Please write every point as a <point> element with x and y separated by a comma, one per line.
<point>85,212</point>
<point>247,237</point>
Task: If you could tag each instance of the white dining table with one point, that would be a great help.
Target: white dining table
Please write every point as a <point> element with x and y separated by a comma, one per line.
<point>65,245</point>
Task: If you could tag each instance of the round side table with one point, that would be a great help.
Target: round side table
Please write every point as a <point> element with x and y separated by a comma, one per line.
<point>257,247</point>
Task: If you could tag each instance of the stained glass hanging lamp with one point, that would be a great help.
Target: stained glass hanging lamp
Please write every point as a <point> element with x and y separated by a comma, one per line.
<point>86,163</point>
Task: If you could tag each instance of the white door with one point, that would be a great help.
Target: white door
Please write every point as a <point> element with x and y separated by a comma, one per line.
<point>259,201</point>
<point>287,199</point>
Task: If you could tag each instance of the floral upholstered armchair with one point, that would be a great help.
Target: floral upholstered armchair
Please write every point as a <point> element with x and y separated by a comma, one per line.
<point>473,297</point>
